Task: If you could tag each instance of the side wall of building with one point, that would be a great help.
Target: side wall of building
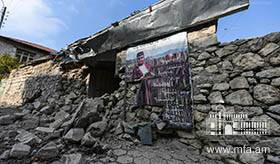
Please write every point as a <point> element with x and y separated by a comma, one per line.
<point>28,83</point>
<point>10,48</point>
<point>32,50</point>
<point>6,48</point>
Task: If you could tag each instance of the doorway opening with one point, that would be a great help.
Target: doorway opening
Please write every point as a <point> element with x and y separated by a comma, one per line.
<point>102,76</point>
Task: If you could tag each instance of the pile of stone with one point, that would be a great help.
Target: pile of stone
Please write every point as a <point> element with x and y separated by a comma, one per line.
<point>66,125</point>
<point>48,127</point>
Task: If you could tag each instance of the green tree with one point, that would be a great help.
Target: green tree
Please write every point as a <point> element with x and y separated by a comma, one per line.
<point>7,64</point>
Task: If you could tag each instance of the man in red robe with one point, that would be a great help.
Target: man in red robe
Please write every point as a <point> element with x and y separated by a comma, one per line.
<point>143,71</point>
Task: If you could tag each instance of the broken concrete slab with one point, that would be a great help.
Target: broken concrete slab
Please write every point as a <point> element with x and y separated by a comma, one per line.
<point>7,119</point>
<point>60,118</point>
<point>45,130</point>
<point>88,140</point>
<point>5,155</point>
<point>73,159</point>
<point>49,151</point>
<point>47,109</point>
<point>98,128</point>
<point>89,114</point>
<point>74,135</point>
<point>20,150</point>
<point>69,123</point>
<point>28,138</point>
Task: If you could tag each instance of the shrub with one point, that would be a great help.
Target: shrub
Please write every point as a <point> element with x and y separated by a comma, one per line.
<point>7,64</point>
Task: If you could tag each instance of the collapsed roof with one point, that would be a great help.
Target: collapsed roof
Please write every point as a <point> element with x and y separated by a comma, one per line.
<point>163,18</point>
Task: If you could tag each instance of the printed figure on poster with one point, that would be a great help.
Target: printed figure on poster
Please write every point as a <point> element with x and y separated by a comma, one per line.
<point>162,69</point>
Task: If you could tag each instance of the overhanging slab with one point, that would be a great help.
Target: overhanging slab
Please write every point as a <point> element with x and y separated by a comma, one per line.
<point>163,18</point>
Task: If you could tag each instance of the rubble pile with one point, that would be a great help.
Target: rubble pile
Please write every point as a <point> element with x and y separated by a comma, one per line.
<point>77,129</point>
<point>44,123</point>
<point>66,126</point>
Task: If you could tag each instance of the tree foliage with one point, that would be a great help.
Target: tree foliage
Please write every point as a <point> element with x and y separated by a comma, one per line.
<point>7,64</point>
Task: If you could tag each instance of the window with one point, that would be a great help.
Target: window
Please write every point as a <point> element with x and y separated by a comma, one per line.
<point>24,56</point>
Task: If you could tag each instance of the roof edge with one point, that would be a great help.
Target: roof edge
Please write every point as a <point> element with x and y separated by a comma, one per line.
<point>160,21</point>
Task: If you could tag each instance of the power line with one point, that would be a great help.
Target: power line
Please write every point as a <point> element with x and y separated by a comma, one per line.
<point>3,14</point>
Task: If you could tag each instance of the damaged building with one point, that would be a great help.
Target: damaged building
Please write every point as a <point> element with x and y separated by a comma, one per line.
<point>106,50</point>
<point>158,77</point>
<point>166,28</point>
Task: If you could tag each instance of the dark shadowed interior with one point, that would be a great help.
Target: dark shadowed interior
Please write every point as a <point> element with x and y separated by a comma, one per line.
<point>102,75</point>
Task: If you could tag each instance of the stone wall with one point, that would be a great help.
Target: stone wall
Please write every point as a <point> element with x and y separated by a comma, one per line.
<point>44,83</point>
<point>242,76</point>
<point>29,83</point>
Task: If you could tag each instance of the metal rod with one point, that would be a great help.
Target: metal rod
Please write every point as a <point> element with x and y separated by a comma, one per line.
<point>3,16</point>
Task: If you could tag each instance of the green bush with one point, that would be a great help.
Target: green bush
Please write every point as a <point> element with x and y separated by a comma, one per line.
<point>7,64</point>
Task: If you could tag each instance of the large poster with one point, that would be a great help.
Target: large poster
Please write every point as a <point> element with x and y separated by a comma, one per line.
<point>163,71</point>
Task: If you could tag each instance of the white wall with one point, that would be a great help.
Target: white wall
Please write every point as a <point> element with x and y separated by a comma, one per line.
<point>6,48</point>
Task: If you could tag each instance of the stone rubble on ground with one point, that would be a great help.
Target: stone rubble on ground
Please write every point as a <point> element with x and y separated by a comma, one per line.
<point>19,151</point>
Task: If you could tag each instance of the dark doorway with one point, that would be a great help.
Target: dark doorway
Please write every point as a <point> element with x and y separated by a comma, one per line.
<point>103,79</point>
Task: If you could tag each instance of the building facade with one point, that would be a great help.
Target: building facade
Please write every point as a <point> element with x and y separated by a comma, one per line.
<point>23,50</point>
